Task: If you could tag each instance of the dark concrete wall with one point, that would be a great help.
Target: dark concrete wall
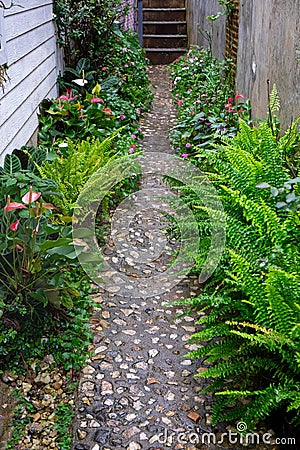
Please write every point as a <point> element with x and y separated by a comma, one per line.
<point>269,37</point>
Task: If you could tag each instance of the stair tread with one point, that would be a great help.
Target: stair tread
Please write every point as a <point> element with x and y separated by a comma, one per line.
<point>165,49</point>
<point>164,22</point>
<point>165,35</point>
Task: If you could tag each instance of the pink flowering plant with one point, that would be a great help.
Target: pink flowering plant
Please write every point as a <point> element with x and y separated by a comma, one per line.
<point>76,116</point>
<point>34,253</point>
<point>208,107</point>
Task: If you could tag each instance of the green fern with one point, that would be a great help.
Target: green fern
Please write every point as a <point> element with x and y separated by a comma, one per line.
<point>274,101</point>
<point>73,171</point>
<point>249,321</point>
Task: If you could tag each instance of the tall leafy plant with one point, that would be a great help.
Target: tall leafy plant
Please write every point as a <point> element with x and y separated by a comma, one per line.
<point>85,26</point>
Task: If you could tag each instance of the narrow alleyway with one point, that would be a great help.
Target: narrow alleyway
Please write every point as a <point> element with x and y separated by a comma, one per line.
<point>137,390</point>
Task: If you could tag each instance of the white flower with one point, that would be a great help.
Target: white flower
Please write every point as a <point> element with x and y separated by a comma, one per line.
<point>80,81</point>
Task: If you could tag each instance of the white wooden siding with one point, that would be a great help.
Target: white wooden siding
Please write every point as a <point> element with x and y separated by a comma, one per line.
<point>33,65</point>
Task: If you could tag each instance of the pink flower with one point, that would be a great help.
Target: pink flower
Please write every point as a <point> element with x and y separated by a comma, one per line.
<point>132,63</point>
<point>31,196</point>
<point>230,100</point>
<point>138,111</point>
<point>14,226</point>
<point>184,155</point>
<point>131,150</point>
<point>12,206</point>
<point>69,96</point>
<point>124,50</point>
<point>239,95</point>
<point>107,111</point>
<point>133,136</point>
<point>36,230</point>
<point>126,65</point>
<point>97,100</point>
<point>188,145</point>
<point>122,117</point>
<point>228,106</point>
<point>179,102</point>
<point>19,247</point>
<point>104,69</point>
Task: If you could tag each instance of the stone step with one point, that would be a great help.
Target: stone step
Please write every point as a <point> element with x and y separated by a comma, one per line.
<point>164,14</point>
<point>166,27</point>
<point>165,41</point>
<point>164,3</point>
<point>164,55</point>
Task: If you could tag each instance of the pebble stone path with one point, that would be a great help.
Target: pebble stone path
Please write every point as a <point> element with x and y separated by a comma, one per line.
<point>137,388</point>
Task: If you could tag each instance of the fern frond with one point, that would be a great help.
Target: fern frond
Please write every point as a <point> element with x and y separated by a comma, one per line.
<point>274,102</point>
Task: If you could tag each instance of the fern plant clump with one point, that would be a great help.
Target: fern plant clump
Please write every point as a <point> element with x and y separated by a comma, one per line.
<point>250,322</point>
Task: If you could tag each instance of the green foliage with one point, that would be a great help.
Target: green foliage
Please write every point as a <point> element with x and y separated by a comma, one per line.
<point>118,98</point>
<point>228,8</point>
<point>71,116</point>
<point>64,416</point>
<point>20,420</point>
<point>208,108</point>
<point>85,26</point>
<point>72,170</point>
<point>45,301</point>
<point>250,327</point>
<point>65,336</point>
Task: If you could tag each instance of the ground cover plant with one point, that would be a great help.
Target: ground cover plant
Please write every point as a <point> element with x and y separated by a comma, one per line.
<point>250,307</point>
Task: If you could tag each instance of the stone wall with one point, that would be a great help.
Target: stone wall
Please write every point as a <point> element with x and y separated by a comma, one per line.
<point>199,26</point>
<point>269,37</point>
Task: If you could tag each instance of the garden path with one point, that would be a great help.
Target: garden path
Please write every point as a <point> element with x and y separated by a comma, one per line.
<point>137,390</point>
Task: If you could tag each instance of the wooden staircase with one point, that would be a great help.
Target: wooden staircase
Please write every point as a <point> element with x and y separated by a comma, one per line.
<point>164,30</point>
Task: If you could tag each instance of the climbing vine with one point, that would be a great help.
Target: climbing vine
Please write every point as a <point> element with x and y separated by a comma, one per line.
<point>229,7</point>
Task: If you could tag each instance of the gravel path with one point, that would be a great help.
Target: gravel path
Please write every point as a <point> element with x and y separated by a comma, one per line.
<point>137,390</point>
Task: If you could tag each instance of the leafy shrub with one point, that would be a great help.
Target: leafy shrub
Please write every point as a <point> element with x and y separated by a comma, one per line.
<point>250,307</point>
<point>208,108</point>
<point>85,26</point>
<point>118,98</point>
<point>126,62</point>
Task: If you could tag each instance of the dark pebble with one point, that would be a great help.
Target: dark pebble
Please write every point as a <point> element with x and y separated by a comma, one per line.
<point>81,447</point>
<point>101,436</point>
